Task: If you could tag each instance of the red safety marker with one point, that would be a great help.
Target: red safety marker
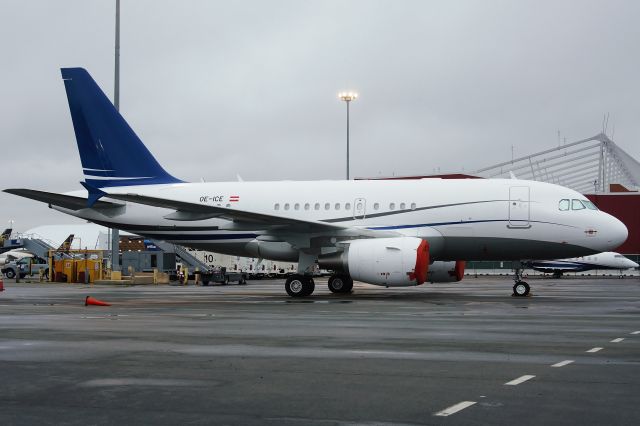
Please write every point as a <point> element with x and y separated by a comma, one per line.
<point>92,301</point>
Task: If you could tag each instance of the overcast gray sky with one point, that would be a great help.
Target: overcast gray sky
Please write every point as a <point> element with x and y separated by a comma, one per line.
<point>250,87</point>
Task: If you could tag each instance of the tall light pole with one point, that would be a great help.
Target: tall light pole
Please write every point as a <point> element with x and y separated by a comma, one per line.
<point>115,233</point>
<point>348,97</point>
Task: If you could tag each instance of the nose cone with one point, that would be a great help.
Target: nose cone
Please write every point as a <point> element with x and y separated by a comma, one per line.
<point>616,232</point>
<point>631,264</point>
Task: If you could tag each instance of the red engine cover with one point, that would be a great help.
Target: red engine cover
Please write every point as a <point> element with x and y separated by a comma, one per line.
<point>422,263</point>
<point>459,271</point>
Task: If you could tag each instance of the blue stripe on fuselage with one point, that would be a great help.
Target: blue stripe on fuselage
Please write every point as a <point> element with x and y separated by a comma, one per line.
<point>461,222</point>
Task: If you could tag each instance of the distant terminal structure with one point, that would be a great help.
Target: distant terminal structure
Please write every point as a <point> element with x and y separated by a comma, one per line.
<point>590,166</point>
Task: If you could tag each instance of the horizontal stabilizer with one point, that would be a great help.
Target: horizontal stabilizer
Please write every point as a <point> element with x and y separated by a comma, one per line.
<point>60,200</point>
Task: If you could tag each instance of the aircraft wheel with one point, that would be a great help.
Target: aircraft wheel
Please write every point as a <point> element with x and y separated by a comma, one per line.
<point>521,289</point>
<point>299,286</point>
<point>340,284</point>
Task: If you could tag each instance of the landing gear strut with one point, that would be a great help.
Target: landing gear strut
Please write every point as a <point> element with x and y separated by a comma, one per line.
<point>299,285</point>
<point>520,288</point>
<point>340,283</point>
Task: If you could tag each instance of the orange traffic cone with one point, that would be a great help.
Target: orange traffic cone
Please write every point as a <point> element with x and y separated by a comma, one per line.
<point>92,301</point>
<point>1,283</point>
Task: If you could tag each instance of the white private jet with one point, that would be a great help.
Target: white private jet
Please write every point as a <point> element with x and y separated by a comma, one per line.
<point>602,261</point>
<point>380,232</point>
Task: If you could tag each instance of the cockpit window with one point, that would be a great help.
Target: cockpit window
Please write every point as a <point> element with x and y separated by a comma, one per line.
<point>618,256</point>
<point>577,205</point>
<point>563,205</point>
<point>589,205</point>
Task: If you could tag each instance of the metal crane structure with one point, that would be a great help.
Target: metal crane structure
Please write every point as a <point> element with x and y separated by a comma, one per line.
<point>589,165</point>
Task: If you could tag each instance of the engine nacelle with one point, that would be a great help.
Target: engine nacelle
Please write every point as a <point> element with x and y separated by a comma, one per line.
<point>446,272</point>
<point>397,262</point>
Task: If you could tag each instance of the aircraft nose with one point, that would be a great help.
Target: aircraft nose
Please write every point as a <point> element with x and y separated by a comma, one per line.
<point>616,233</point>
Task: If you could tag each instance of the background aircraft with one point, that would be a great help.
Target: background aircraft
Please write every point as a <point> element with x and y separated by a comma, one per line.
<point>21,253</point>
<point>12,255</point>
<point>603,261</point>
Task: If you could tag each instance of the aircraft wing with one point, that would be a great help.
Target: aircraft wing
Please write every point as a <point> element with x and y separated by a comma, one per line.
<point>186,211</point>
<point>60,200</point>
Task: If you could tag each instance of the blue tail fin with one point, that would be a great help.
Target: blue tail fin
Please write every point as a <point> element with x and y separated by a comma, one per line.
<point>110,151</point>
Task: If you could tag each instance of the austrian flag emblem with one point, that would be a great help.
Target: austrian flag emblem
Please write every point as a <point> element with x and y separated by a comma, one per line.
<point>234,198</point>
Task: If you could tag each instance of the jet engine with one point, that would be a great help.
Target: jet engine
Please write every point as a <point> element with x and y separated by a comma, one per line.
<point>392,262</point>
<point>446,272</point>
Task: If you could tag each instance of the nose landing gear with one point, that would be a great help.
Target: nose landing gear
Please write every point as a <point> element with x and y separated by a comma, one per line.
<point>520,288</point>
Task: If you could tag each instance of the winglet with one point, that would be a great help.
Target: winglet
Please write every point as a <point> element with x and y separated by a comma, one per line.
<point>94,194</point>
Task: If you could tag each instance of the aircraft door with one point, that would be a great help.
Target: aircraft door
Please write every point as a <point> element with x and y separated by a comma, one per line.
<point>519,207</point>
<point>359,208</point>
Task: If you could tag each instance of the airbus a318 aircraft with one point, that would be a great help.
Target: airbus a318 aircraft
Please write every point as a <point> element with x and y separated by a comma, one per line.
<point>380,232</point>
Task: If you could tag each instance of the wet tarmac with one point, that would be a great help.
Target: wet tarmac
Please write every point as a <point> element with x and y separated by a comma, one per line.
<point>462,353</point>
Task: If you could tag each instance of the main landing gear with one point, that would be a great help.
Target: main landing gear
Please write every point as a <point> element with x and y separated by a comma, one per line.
<point>340,283</point>
<point>520,288</point>
<point>299,285</point>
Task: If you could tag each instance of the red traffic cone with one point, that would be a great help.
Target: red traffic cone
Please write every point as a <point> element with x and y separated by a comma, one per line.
<point>1,283</point>
<point>92,301</point>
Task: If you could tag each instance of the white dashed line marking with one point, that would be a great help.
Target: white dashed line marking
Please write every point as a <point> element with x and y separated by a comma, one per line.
<point>454,408</point>
<point>635,332</point>
<point>519,380</point>
<point>593,350</point>
<point>618,340</point>
<point>562,363</point>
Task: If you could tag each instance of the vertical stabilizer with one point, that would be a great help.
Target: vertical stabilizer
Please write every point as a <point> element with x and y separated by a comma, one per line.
<point>110,151</point>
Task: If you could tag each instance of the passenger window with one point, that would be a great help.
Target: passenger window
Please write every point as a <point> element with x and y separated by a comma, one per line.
<point>296,206</point>
<point>577,205</point>
<point>413,206</point>
<point>337,206</point>
<point>402,206</point>
<point>286,206</point>
<point>347,206</point>
<point>563,205</point>
<point>392,206</point>
<point>316,206</point>
<point>276,206</point>
<point>327,206</point>
<point>228,206</point>
<point>306,206</point>
<point>376,206</point>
